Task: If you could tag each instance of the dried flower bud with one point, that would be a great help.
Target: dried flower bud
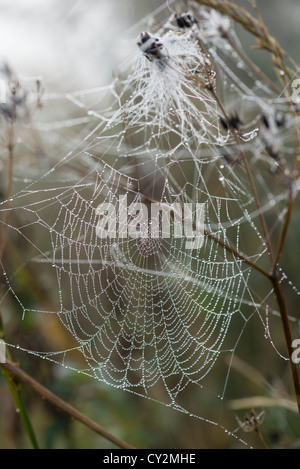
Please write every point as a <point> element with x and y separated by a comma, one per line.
<point>153,49</point>
<point>186,20</point>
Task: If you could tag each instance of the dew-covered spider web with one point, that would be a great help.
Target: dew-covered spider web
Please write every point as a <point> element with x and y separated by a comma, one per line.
<point>178,126</point>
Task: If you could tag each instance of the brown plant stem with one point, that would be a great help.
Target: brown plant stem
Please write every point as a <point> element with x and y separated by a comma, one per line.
<point>10,148</point>
<point>261,438</point>
<point>280,298</point>
<point>16,393</point>
<point>272,275</point>
<point>255,26</point>
<point>21,408</point>
<point>249,175</point>
<point>223,244</point>
<point>236,253</point>
<point>20,375</point>
<point>283,234</point>
<point>287,334</point>
<point>15,390</point>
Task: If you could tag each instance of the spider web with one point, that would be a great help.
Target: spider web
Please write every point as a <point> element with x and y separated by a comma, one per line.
<point>149,315</point>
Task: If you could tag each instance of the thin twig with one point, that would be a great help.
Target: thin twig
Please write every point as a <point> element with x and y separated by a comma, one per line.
<point>21,408</point>
<point>16,392</point>
<point>231,249</point>
<point>10,148</point>
<point>255,26</point>
<point>249,175</point>
<point>236,253</point>
<point>20,375</point>
<point>262,440</point>
<point>287,334</point>
<point>283,234</point>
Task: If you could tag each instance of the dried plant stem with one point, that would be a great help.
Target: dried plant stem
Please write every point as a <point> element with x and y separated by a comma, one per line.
<point>222,243</point>
<point>273,275</point>
<point>23,377</point>
<point>20,406</point>
<point>284,230</point>
<point>211,89</point>
<point>287,334</point>
<point>280,298</point>
<point>15,390</point>
<point>257,431</point>
<point>256,27</point>
<point>236,253</point>
<point>10,148</point>
<point>249,175</point>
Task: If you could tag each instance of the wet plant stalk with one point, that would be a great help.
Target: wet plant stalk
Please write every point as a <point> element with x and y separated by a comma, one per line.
<point>55,400</point>
<point>10,148</point>
<point>15,389</point>
<point>16,392</point>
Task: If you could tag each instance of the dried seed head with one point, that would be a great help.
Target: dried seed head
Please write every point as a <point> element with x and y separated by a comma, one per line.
<point>252,422</point>
<point>271,132</point>
<point>233,121</point>
<point>14,103</point>
<point>153,49</point>
<point>186,20</point>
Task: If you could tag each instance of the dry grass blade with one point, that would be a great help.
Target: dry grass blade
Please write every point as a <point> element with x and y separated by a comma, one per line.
<point>257,27</point>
